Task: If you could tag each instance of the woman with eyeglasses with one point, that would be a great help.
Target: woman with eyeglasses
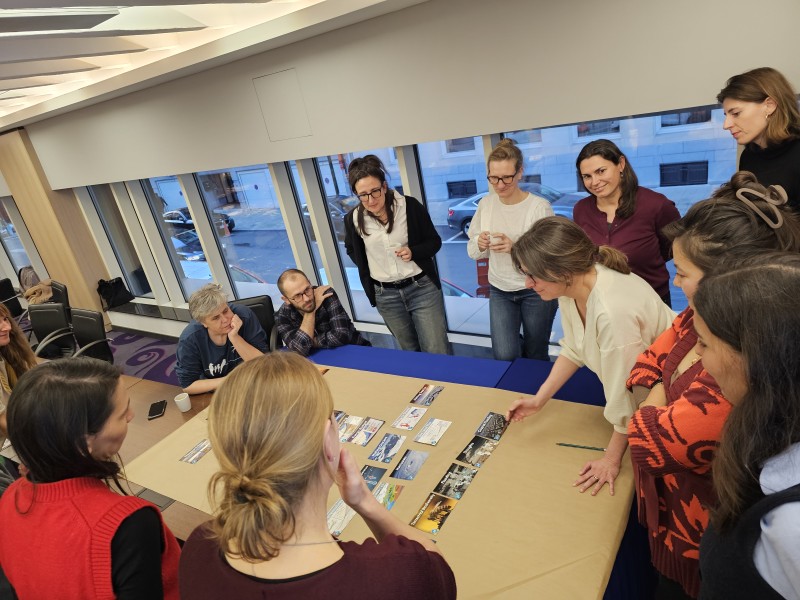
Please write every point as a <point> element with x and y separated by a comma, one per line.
<point>748,324</point>
<point>609,316</point>
<point>502,217</point>
<point>622,214</point>
<point>761,113</point>
<point>392,241</point>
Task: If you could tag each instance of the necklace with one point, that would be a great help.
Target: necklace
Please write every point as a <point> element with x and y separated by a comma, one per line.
<point>311,543</point>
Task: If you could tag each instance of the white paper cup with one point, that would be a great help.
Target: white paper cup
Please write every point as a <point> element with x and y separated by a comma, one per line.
<point>496,239</point>
<point>393,248</point>
<point>183,402</point>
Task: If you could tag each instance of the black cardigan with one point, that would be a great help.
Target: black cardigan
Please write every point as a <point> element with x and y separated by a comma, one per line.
<point>423,241</point>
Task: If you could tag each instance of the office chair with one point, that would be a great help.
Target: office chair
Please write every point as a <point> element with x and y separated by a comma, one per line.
<point>265,313</point>
<point>52,330</point>
<point>60,296</point>
<point>90,334</point>
<point>10,297</point>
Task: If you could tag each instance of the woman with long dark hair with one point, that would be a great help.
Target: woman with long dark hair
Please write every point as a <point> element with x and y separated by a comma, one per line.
<point>624,215</point>
<point>392,241</point>
<point>65,533</point>
<point>748,323</point>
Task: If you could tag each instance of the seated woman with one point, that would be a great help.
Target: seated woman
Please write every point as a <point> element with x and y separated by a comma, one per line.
<point>16,358</point>
<point>609,316</point>
<point>217,340</point>
<point>65,533</point>
<point>675,430</point>
<point>748,324</point>
<point>277,442</point>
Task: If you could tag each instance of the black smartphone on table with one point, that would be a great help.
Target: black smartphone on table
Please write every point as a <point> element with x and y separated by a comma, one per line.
<point>157,409</point>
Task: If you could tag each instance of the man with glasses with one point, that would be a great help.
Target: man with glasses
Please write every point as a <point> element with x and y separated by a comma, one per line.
<point>312,317</point>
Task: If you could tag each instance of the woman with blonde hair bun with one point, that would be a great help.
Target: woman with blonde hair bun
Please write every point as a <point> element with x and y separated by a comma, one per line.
<point>609,316</point>
<point>274,434</point>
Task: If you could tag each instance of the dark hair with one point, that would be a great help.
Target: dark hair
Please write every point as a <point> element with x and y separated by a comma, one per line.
<point>609,151</point>
<point>506,149</point>
<point>51,411</point>
<point>17,353</point>
<point>555,249</point>
<point>370,166</point>
<point>756,86</point>
<point>724,230</point>
<point>289,273</point>
<point>756,311</point>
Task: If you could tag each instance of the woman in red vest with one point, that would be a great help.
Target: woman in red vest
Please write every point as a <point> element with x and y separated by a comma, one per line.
<point>65,533</point>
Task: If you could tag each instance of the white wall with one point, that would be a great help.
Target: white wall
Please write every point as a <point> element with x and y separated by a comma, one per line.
<point>445,68</point>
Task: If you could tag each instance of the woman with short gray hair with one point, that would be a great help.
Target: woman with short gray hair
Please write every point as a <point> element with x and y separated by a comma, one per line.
<point>219,338</point>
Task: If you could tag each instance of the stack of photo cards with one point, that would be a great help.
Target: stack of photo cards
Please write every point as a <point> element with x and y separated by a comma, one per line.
<point>432,431</point>
<point>493,426</point>
<point>409,465</point>
<point>387,493</point>
<point>387,448</point>
<point>477,451</point>
<point>409,418</point>
<point>433,513</point>
<point>427,394</point>
<point>456,481</point>
<point>348,425</point>
<point>365,430</point>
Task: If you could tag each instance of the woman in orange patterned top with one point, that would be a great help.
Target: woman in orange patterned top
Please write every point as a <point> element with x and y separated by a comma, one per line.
<point>675,432</point>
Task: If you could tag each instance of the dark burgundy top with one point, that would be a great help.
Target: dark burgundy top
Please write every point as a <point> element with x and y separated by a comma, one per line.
<point>638,237</point>
<point>395,569</point>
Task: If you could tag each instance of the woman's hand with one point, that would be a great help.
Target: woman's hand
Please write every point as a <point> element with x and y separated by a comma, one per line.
<point>596,473</point>
<point>500,242</point>
<point>404,253</point>
<point>352,487</point>
<point>484,239</point>
<point>524,407</point>
<point>236,325</point>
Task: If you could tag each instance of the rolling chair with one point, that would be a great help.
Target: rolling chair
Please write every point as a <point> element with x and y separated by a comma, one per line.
<point>60,296</point>
<point>10,297</point>
<point>265,313</point>
<point>90,334</point>
<point>52,330</point>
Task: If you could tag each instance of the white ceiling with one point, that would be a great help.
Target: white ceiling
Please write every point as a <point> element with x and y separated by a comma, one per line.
<point>55,59</point>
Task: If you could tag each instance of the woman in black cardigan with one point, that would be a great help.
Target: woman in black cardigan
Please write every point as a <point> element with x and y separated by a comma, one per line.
<point>392,241</point>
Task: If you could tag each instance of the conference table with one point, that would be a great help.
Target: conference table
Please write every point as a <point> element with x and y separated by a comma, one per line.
<point>520,530</point>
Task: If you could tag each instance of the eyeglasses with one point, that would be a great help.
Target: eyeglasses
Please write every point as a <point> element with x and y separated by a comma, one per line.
<point>376,193</point>
<point>528,275</point>
<point>494,179</point>
<point>309,291</point>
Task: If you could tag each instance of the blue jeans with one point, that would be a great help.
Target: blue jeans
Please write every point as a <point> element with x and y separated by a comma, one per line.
<point>509,310</point>
<point>415,315</point>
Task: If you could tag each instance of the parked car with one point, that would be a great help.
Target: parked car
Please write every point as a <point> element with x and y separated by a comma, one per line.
<point>337,214</point>
<point>188,246</point>
<point>182,219</point>
<point>200,270</point>
<point>460,215</point>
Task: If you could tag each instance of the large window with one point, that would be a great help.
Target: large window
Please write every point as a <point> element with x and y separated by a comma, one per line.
<point>120,240</point>
<point>9,238</point>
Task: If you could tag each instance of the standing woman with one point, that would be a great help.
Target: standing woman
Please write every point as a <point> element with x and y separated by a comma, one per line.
<point>622,214</point>
<point>277,441</point>
<point>609,316</point>
<point>65,533</point>
<point>748,322</point>
<point>502,217</point>
<point>761,113</point>
<point>674,432</point>
<point>392,241</point>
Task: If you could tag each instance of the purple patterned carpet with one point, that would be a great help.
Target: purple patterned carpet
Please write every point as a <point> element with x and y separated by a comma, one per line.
<point>144,357</point>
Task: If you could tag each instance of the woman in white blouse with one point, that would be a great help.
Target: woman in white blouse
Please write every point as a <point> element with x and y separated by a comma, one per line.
<point>609,317</point>
<point>502,217</point>
<point>392,241</point>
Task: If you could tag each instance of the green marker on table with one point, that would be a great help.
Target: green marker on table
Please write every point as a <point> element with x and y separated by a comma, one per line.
<point>579,446</point>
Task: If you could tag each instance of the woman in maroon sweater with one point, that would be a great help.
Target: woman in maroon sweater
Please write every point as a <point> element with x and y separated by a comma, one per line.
<point>65,534</point>
<point>273,431</point>
<point>622,214</point>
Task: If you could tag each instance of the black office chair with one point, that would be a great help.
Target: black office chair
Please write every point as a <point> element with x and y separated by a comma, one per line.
<point>90,334</point>
<point>265,313</point>
<point>60,296</point>
<point>52,330</point>
<point>10,297</point>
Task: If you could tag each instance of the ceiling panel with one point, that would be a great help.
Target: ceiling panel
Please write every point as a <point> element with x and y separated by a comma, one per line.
<point>44,67</point>
<point>75,19</point>
<point>23,50</point>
